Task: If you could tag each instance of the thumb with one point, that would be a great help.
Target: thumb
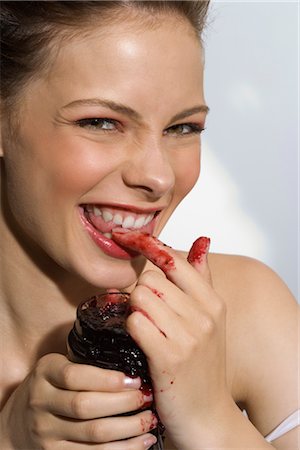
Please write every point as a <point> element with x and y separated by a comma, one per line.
<point>197,257</point>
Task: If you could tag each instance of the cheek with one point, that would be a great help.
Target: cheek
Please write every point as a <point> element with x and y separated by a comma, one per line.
<point>71,177</point>
<point>45,174</point>
<point>76,167</point>
<point>187,170</point>
<point>65,167</point>
<point>186,167</point>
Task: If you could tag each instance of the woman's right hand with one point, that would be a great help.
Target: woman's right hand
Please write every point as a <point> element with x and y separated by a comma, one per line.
<point>68,406</point>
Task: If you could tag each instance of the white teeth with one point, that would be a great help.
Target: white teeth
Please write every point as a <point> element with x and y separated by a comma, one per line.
<point>148,219</point>
<point>107,216</point>
<point>108,235</point>
<point>97,211</point>
<point>139,223</point>
<point>128,222</point>
<point>118,219</point>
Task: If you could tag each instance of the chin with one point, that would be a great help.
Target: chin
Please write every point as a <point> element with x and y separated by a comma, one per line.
<point>104,274</point>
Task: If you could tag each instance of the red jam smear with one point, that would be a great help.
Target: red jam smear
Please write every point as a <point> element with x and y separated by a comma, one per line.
<point>199,250</point>
<point>148,245</point>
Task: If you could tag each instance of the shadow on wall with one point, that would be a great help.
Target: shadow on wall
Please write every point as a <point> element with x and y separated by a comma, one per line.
<point>213,209</point>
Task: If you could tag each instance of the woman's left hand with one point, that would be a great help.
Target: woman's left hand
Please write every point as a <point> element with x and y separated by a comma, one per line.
<point>179,322</point>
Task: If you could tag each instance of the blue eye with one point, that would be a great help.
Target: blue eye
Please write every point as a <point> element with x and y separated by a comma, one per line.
<point>98,124</point>
<point>184,129</point>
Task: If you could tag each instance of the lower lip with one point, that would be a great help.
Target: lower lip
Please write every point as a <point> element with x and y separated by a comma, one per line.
<point>108,246</point>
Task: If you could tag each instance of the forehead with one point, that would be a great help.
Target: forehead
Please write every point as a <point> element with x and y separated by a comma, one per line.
<point>164,39</point>
<point>157,63</point>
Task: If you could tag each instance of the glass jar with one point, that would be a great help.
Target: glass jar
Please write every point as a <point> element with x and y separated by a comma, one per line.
<point>99,338</point>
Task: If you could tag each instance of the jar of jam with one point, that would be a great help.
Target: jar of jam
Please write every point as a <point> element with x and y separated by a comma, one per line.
<point>99,338</point>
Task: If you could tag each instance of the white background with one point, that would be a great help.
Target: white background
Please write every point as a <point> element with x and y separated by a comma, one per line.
<point>247,197</point>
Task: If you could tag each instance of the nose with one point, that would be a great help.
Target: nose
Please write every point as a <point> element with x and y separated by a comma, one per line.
<point>149,170</point>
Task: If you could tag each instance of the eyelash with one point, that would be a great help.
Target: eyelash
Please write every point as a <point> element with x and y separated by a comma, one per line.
<point>194,128</point>
<point>96,124</point>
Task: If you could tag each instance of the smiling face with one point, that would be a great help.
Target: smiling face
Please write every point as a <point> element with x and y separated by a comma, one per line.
<point>109,138</point>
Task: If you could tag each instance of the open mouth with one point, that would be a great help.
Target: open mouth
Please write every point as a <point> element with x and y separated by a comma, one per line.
<point>100,221</point>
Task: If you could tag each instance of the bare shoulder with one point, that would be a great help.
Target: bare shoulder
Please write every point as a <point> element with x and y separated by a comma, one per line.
<point>263,319</point>
<point>239,279</point>
<point>250,287</point>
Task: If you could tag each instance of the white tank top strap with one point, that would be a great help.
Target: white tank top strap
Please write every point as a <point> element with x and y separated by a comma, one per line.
<point>287,425</point>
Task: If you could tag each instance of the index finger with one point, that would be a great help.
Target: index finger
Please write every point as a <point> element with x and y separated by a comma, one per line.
<point>176,268</point>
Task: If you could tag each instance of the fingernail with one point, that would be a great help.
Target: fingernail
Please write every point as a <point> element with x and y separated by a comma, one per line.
<point>132,383</point>
<point>148,399</point>
<point>154,422</point>
<point>149,441</point>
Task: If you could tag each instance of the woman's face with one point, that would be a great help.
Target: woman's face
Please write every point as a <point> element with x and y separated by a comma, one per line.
<point>109,138</point>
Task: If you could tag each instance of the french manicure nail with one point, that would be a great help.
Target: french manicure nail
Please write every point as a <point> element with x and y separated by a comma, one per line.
<point>149,441</point>
<point>132,383</point>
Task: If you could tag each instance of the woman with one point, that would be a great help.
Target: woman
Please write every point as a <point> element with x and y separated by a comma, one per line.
<point>102,110</point>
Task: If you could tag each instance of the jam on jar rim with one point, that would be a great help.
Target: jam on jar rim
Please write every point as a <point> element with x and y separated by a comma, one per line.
<point>114,297</point>
<point>108,310</point>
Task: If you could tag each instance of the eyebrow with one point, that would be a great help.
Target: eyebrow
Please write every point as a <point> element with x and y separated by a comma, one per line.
<point>190,112</point>
<point>131,113</point>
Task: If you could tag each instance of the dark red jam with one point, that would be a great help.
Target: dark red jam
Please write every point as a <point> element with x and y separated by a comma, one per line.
<point>99,338</point>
